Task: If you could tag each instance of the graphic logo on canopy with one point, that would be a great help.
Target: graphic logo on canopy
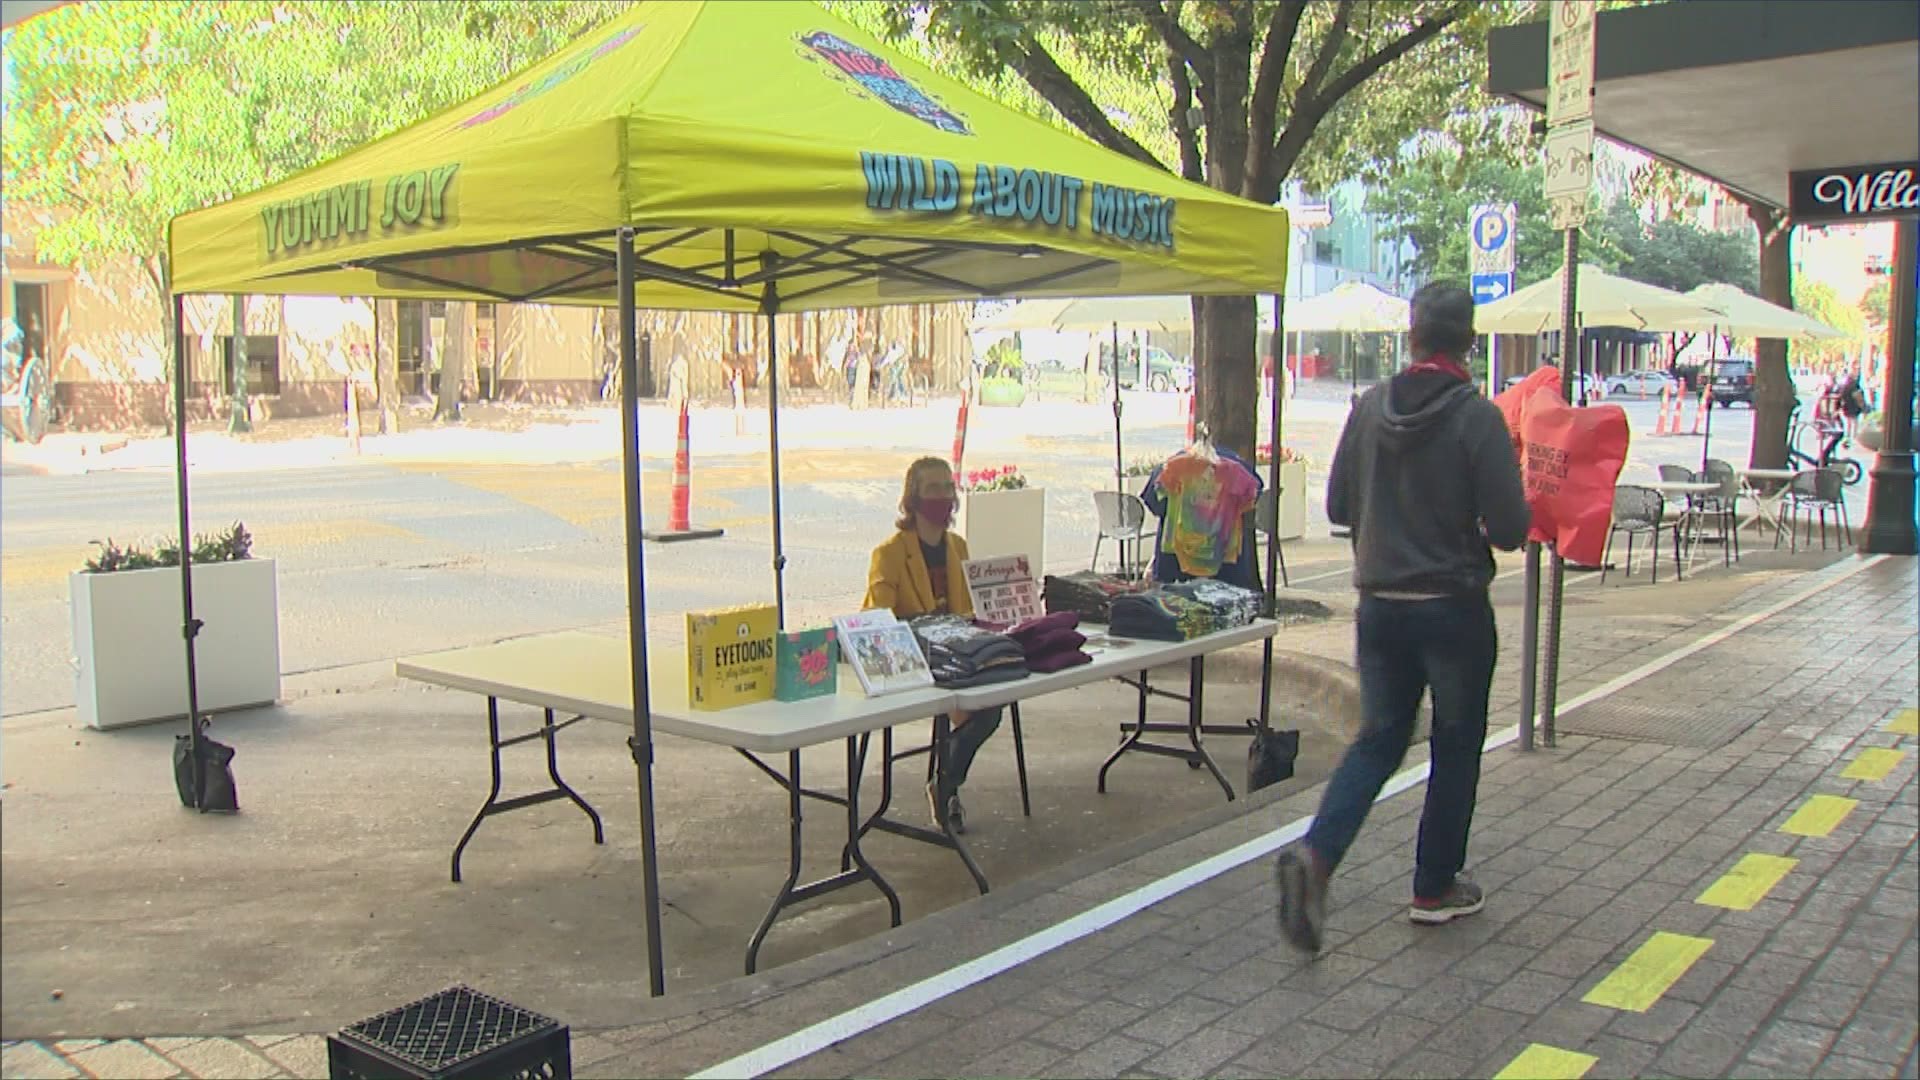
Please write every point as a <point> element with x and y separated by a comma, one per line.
<point>876,77</point>
<point>528,91</point>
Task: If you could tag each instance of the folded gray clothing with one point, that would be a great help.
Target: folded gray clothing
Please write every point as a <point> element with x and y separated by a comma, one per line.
<point>1231,604</point>
<point>1006,652</point>
<point>999,673</point>
<point>960,637</point>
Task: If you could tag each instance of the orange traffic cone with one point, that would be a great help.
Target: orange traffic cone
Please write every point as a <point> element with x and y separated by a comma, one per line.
<point>1666,398</point>
<point>1699,411</point>
<point>680,502</point>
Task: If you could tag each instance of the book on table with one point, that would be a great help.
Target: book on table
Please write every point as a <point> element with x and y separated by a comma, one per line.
<point>730,656</point>
<point>883,652</point>
<point>804,666</point>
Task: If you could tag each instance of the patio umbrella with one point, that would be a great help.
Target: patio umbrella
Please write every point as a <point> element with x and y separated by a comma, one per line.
<point>1351,307</point>
<point>1749,316</point>
<point>1166,313</point>
<point>1603,300</point>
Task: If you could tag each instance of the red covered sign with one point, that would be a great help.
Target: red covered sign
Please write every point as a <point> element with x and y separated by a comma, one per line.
<point>1570,461</point>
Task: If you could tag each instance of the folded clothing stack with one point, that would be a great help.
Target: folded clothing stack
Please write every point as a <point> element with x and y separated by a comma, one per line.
<point>1230,604</point>
<point>962,654</point>
<point>1051,642</point>
<point>1087,593</point>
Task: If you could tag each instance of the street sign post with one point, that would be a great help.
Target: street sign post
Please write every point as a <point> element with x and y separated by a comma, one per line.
<point>1490,235</point>
<point>1490,287</point>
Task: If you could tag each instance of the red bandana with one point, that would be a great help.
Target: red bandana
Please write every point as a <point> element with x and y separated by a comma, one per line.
<point>1445,366</point>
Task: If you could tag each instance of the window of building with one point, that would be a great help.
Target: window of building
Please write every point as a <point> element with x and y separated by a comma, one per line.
<point>263,363</point>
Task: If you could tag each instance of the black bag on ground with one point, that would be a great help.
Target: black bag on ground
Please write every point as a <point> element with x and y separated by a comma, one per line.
<point>1270,756</point>
<point>217,793</point>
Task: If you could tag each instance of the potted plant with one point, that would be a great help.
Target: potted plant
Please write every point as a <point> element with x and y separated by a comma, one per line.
<point>1291,522</point>
<point>128,653</point>
<point>1001,515</point>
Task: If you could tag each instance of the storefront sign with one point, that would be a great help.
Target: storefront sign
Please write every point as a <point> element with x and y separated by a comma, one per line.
<point>1855,192</point>
<point>346,213</point>
<point>1032,196</point>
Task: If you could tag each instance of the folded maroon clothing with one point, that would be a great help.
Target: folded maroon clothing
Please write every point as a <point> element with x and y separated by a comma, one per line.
<point>1025,632</point>
<point>1053,641</point>
<point>1058,661</point>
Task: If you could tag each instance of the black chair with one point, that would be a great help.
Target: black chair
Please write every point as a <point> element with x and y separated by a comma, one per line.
<point>1814,492</point>
<point>1723,507</point>
<point>1641,511</point>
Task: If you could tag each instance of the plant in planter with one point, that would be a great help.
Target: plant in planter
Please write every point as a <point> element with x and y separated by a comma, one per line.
<point>1001,515</point>
<point>127,614</point>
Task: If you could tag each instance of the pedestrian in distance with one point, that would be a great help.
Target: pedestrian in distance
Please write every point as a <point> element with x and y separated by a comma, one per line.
<point>1426,479</point>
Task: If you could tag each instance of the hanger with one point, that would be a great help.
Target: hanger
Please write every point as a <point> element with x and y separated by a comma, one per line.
<point>1202,447</point>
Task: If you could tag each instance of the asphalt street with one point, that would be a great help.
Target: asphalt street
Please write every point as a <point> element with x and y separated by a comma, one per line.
<point>385,558</point>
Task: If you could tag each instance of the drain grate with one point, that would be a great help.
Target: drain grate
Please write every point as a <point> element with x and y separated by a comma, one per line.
<point>1672,725</point>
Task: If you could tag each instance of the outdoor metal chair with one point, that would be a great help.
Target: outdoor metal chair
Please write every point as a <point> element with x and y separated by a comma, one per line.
<point>1723,506</point>
<point>1814,492</point>
<point>1266,522</point>
<point>1123,519</point>
<point>1641,511</point>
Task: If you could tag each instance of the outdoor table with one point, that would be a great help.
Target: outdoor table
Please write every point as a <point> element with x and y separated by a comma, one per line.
<point>587,675</point>
<point>1765,507</point>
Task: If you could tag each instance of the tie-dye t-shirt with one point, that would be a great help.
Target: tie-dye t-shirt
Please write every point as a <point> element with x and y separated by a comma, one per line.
<point>1205,502</point>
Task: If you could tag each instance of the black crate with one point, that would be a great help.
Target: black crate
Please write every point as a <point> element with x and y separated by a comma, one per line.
<point>458,1032</point>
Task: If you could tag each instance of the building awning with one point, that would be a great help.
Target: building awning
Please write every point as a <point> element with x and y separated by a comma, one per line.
<point>1742,93</point>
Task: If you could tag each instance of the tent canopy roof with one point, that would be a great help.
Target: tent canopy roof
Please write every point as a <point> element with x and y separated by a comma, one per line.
<point>767,155</point>
<point>1601,299</point>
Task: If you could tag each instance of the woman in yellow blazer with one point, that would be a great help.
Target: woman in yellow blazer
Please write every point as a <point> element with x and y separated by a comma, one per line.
<point>918,571</point>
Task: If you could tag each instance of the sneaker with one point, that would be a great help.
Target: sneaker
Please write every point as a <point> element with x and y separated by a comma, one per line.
<point>956,814</point>
<point>1303,901</point>
<point>1465,898</point>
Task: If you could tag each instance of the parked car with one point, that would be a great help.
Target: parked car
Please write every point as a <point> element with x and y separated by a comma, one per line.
<point>1646,384</point>
<point>1733,381</point>
<point>1164,373</point>
<point>1581,384</point>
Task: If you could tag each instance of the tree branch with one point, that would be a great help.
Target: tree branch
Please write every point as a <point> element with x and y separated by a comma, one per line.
<point>1183,132</point>
<point>1167,25</point>
<point>1058,89</point>
<point>1264,106</point>
<point>1329,52</point>
<point>1309,110</point>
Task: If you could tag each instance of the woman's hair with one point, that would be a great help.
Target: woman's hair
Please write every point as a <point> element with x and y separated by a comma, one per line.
<point>911,489</point>
<point>1442,321</point>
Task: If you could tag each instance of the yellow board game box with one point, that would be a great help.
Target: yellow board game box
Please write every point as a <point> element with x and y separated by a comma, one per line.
<point>730,656</point>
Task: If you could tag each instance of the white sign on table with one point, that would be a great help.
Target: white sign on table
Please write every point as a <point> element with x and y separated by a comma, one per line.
<point>1003,590</point>
<point>1570,48</point>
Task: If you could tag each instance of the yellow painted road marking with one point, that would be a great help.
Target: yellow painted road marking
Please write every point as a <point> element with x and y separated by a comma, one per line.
<point>1748,882</point>
<point>1652,969</point>
<point>1906,722</point>
<point>1541,1062</point>
<point>1873,764</point>
<point>1819,815</point>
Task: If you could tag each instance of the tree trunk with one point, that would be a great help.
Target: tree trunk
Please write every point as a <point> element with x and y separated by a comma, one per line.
<point>1773,391</point>
<point>1224,372</point>
<point>386,363</point>
<point>453,360</point>
<point>239,413</point>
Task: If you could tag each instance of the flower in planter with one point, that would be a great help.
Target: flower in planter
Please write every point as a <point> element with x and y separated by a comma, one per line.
<point>1004,478</point>
<point>230,545</point>
<point>1288,455</point>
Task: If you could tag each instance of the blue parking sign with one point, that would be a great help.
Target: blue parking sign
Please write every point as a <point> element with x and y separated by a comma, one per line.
<point>1490,287</point>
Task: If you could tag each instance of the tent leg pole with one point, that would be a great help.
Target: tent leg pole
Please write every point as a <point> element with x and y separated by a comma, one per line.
<point>1119,463</point>
<point>641,743</point>
<point>190,626</point>
<point>771,305</point>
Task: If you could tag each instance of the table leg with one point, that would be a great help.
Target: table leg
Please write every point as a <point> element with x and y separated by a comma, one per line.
<point>1196,683</point>
<point>497,805</point>
<point>785,895</point>
<point>1020,760</point>
<point>856,766</point>
<point>1129,736</point>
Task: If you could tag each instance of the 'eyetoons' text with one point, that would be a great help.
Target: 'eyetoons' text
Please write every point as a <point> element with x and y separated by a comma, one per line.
<point>346,211</point>
<point>933,186</point>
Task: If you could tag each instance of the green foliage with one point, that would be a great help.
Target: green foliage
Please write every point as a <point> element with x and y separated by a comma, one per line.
<point>1817,300</point>
<point>1875,303</point>
<point>1004,359</point>
<point>229,545</point>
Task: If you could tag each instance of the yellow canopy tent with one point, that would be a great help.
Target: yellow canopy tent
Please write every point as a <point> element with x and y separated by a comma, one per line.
<point>749,157</point>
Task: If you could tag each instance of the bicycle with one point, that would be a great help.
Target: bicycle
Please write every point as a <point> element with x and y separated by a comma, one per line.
<point>1851,472</point>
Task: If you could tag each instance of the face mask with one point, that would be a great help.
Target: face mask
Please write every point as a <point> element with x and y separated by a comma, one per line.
<point>938,512</point>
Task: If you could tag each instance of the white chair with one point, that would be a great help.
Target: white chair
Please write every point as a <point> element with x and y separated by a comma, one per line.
<point>1122,519</point>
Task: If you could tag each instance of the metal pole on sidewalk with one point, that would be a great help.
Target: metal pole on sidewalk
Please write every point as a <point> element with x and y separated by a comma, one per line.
<point>1557,582</point>
<point>1529,644</point>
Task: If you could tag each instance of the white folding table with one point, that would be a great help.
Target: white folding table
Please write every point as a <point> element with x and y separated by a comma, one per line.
<point>588,675</point>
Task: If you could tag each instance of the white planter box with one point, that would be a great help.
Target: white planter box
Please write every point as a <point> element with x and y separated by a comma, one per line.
<point>1005,523</point>
<point>132,659</point>
<point>1292,523</point>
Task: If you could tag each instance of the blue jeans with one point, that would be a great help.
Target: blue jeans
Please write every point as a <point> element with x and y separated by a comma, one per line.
<point>1407,647</point>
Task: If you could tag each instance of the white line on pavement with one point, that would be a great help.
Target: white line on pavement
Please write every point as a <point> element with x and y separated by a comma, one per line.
<point>817,1037</point>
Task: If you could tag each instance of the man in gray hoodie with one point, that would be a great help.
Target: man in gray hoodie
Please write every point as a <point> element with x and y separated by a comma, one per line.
<point>1425,477</point>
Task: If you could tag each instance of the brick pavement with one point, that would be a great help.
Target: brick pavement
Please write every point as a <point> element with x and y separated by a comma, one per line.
<point>1589,851</point>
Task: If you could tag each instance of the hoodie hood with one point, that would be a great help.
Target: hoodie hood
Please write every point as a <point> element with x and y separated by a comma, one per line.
<point>1415,404</point>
